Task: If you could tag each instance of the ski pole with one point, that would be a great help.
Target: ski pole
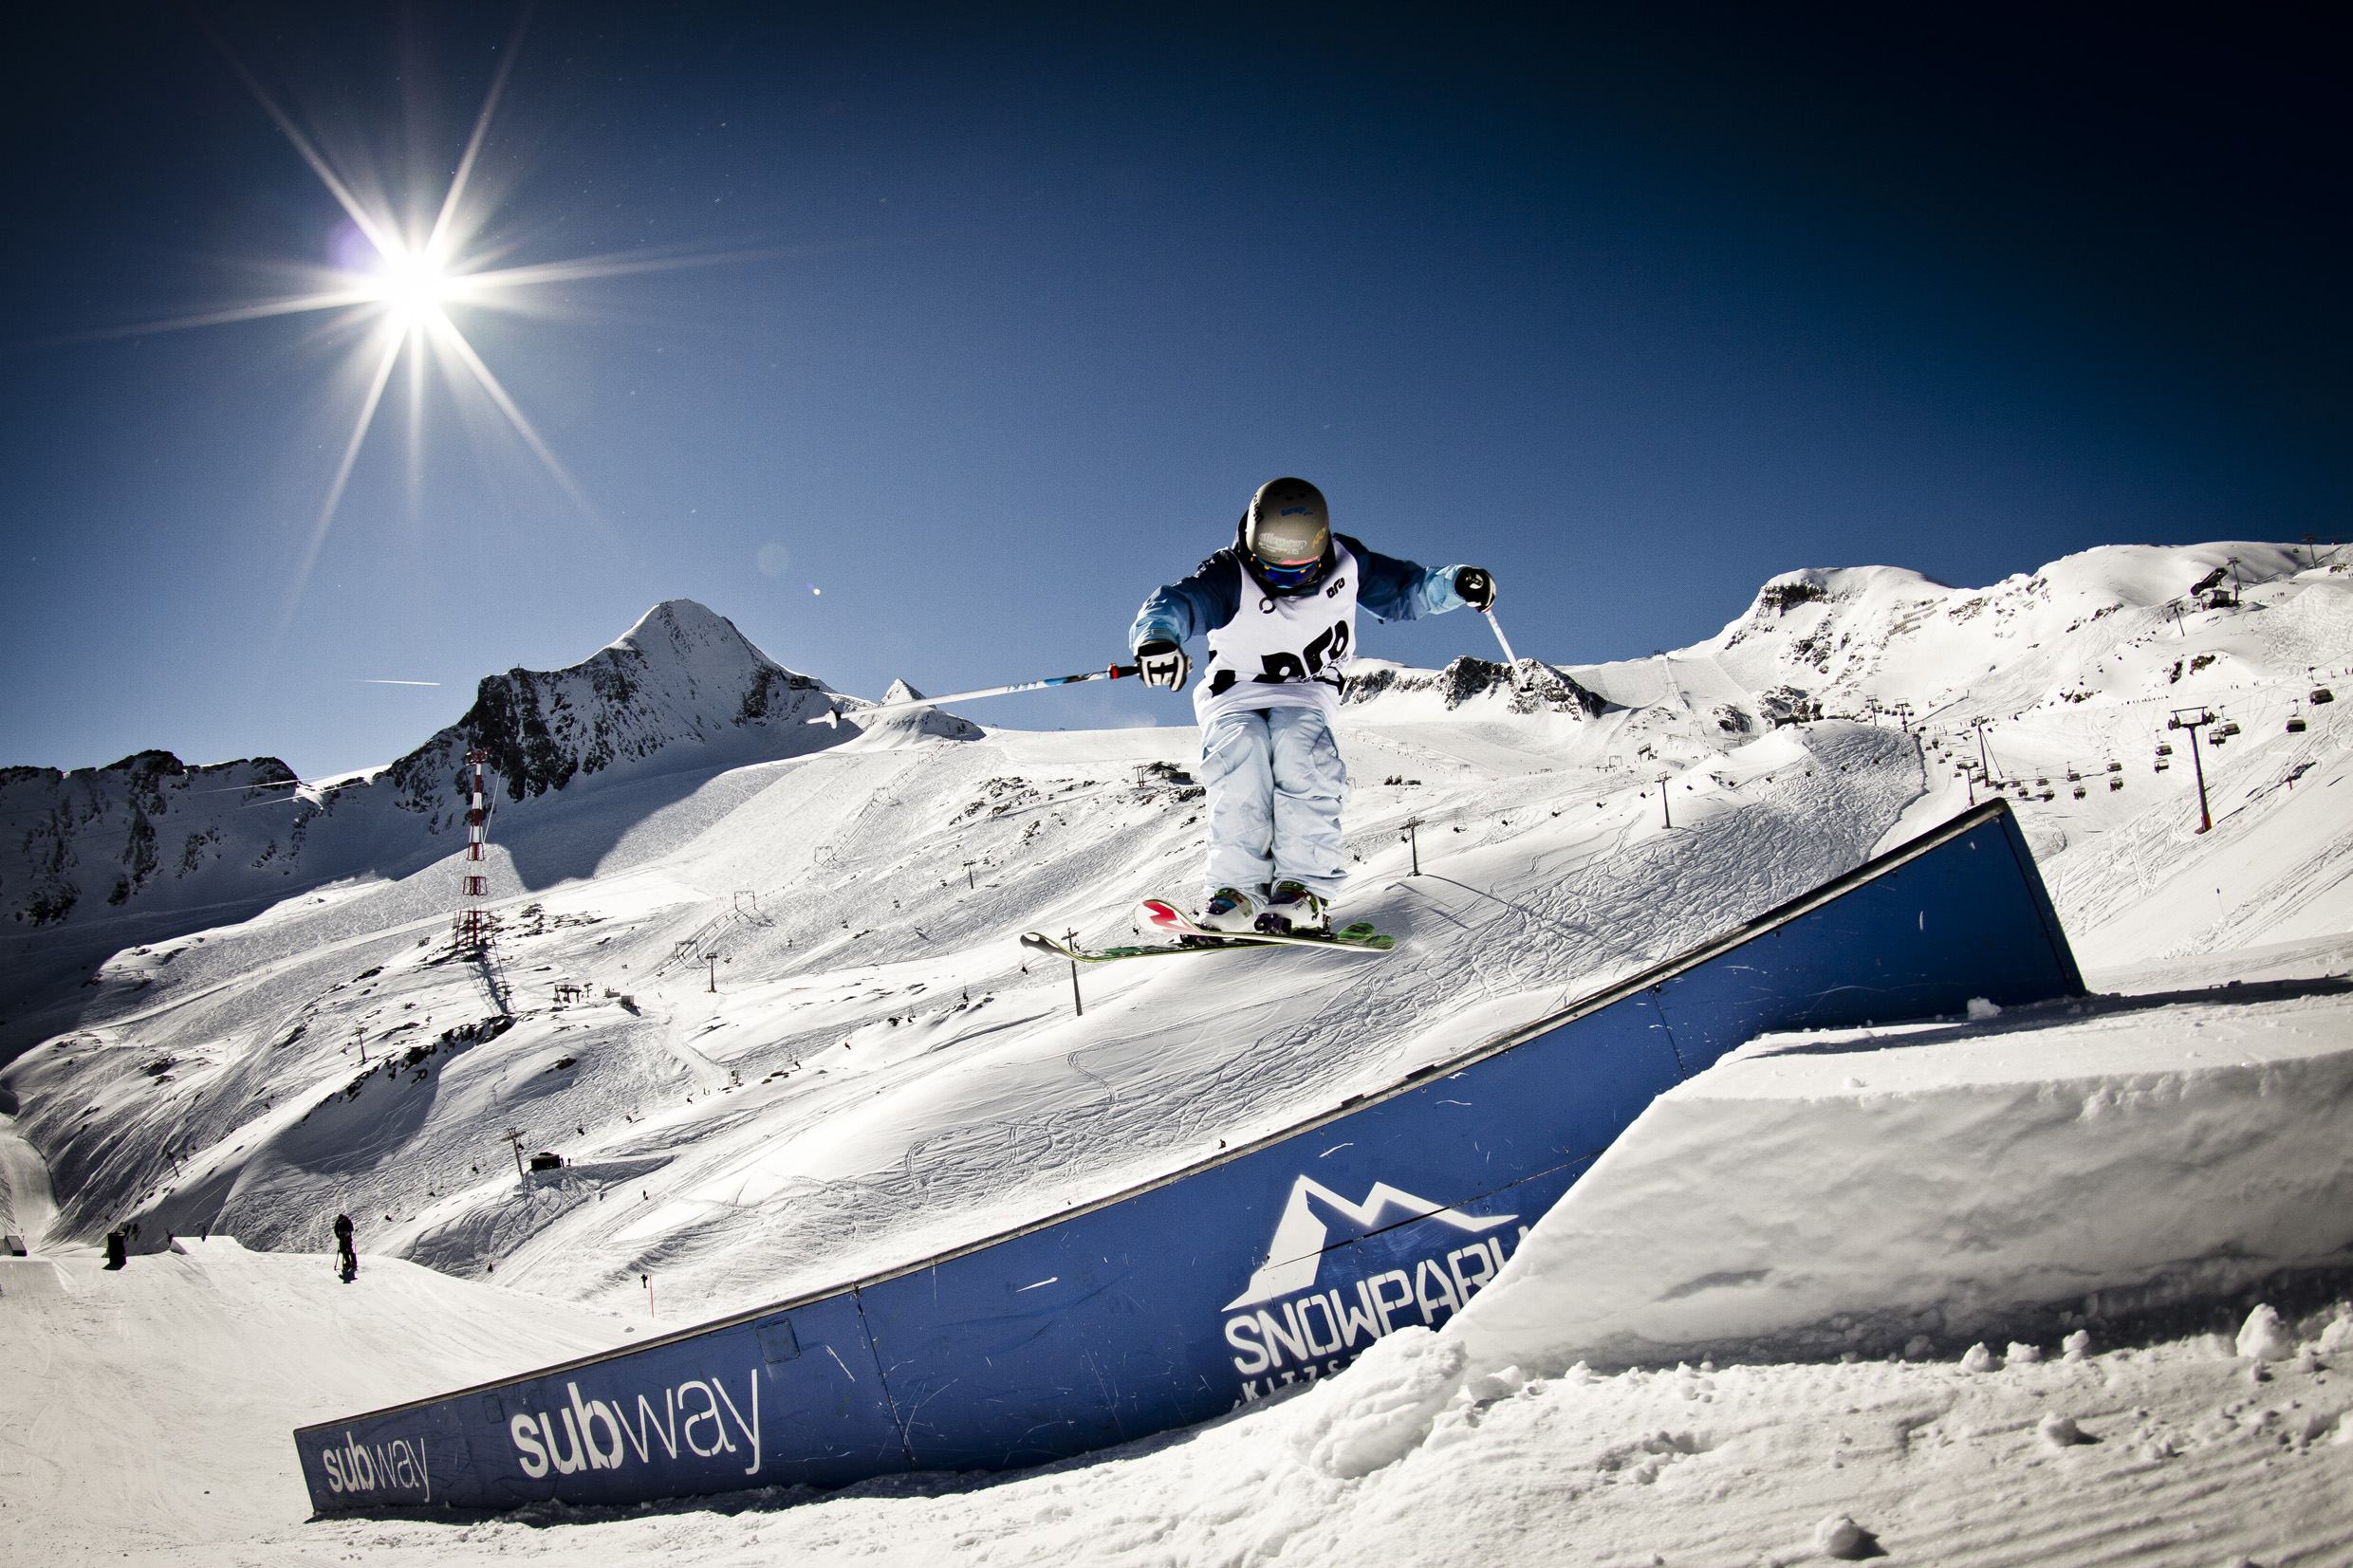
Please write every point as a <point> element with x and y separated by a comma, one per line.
<point>1511,660</point>
<point>833,715</point>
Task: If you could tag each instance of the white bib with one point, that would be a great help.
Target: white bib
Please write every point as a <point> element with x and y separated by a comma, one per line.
<point>1282,651</point>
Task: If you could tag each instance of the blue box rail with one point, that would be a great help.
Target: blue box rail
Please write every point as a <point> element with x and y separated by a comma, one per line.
<point>1192,1295</point>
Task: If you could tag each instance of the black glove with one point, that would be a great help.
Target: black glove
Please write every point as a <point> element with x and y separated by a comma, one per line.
<point>1476,588</point>
<point>1160,662</point>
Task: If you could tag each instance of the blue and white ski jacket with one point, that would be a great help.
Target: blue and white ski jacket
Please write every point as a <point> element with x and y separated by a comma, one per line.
<point>1272,650</point>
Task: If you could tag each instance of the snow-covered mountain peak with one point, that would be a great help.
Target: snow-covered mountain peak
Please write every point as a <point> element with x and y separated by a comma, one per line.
<point>690,632</point>
<point>681,690</point>
<point>917,722</point>
<point>1860,638</point>
<point>1837,584</point>
<point>681,675</point>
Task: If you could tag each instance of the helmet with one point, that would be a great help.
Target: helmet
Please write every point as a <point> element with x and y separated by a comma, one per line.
<point>1286,534</point>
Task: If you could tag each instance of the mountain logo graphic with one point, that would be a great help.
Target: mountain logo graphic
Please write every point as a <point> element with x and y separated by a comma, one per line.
<point>1300,1235</point>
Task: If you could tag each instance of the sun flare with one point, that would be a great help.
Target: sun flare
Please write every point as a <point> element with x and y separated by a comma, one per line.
<point>405,286</point>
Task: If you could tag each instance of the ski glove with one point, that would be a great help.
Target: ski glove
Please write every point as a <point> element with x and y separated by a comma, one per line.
<point>1160,662</point>
<point>1476,588</point>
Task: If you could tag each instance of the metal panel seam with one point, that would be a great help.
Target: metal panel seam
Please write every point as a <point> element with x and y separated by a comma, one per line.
<point>874,1353</point>
<point>1656,996</point>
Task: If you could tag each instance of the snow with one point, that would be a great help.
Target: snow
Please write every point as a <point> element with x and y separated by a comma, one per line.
<point>2264,1337</point>
<point>2024,1284</point>
<point>2121,1144</point>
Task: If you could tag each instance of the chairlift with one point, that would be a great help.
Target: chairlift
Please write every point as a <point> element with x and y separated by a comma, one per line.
<point>2117,783</point>
<point>2078,792</point>
<point>2164,749</point>
<point>2228,727</point>
<point>2296,725</point>
<point>2116,768</point>
<point>2322,694</point>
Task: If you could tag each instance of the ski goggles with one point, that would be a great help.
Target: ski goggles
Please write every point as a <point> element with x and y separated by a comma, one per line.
<point>1297,574</point>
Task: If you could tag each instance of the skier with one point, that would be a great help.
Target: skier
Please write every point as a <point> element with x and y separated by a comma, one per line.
<point>1277,608</point>
<point>347,1259</point>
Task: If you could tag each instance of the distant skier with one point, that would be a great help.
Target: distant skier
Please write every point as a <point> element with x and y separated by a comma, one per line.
<point>347,1259</point>
<point>1277,608</point>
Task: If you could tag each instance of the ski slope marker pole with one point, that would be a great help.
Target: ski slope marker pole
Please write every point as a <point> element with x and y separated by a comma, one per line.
<point>834,715</point>
<point>1511,660</point>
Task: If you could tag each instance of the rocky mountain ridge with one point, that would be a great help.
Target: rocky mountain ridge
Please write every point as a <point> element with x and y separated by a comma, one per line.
<point>681,688</point>
<point>684,689</point>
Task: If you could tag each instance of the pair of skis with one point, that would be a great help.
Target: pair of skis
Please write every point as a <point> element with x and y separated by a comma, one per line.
<point>1191,937</point>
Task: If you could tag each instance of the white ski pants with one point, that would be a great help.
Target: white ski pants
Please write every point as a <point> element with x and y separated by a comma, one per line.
<point>1275,783</point>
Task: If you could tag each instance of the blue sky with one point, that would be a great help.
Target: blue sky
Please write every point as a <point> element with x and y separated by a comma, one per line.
<point>1001,313</point>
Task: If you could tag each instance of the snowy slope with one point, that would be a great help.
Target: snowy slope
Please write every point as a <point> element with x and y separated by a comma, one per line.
<point>880,1071</point>
<point>879,1064</point>
<point>878,1049</point>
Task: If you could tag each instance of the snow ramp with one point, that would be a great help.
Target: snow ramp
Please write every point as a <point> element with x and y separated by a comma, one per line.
<point>1215,1287</point>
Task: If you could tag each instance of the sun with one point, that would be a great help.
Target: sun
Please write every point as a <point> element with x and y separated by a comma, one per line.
<point>406,284</point>
<point>414,286</point>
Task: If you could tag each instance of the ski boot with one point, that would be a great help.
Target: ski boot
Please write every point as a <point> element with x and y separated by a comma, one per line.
<point>1295,911</point>
<point>1230,909</point>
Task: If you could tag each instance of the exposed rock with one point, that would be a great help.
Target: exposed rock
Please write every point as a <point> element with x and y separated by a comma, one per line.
<point>1540,686</point>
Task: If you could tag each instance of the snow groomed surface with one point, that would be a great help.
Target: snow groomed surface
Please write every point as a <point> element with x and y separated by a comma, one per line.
<point>1215,1287</point>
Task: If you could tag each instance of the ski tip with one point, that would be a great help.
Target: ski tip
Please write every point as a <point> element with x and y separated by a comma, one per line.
<point>1161,912</point>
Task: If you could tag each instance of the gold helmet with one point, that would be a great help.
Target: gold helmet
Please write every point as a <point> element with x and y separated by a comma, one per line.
<point>1288,534</point>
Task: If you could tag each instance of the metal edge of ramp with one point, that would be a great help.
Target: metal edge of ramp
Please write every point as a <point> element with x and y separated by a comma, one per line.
<point>1189,1295</point>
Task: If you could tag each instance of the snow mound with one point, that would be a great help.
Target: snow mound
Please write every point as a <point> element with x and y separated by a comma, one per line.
<point>1870,1190</point>
<point>1395,1390</point>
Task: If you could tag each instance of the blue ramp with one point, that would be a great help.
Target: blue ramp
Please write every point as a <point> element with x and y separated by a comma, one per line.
<point>1201,1292</point>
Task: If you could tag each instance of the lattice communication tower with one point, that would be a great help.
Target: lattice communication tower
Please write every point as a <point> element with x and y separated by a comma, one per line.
<point>473,919</point>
